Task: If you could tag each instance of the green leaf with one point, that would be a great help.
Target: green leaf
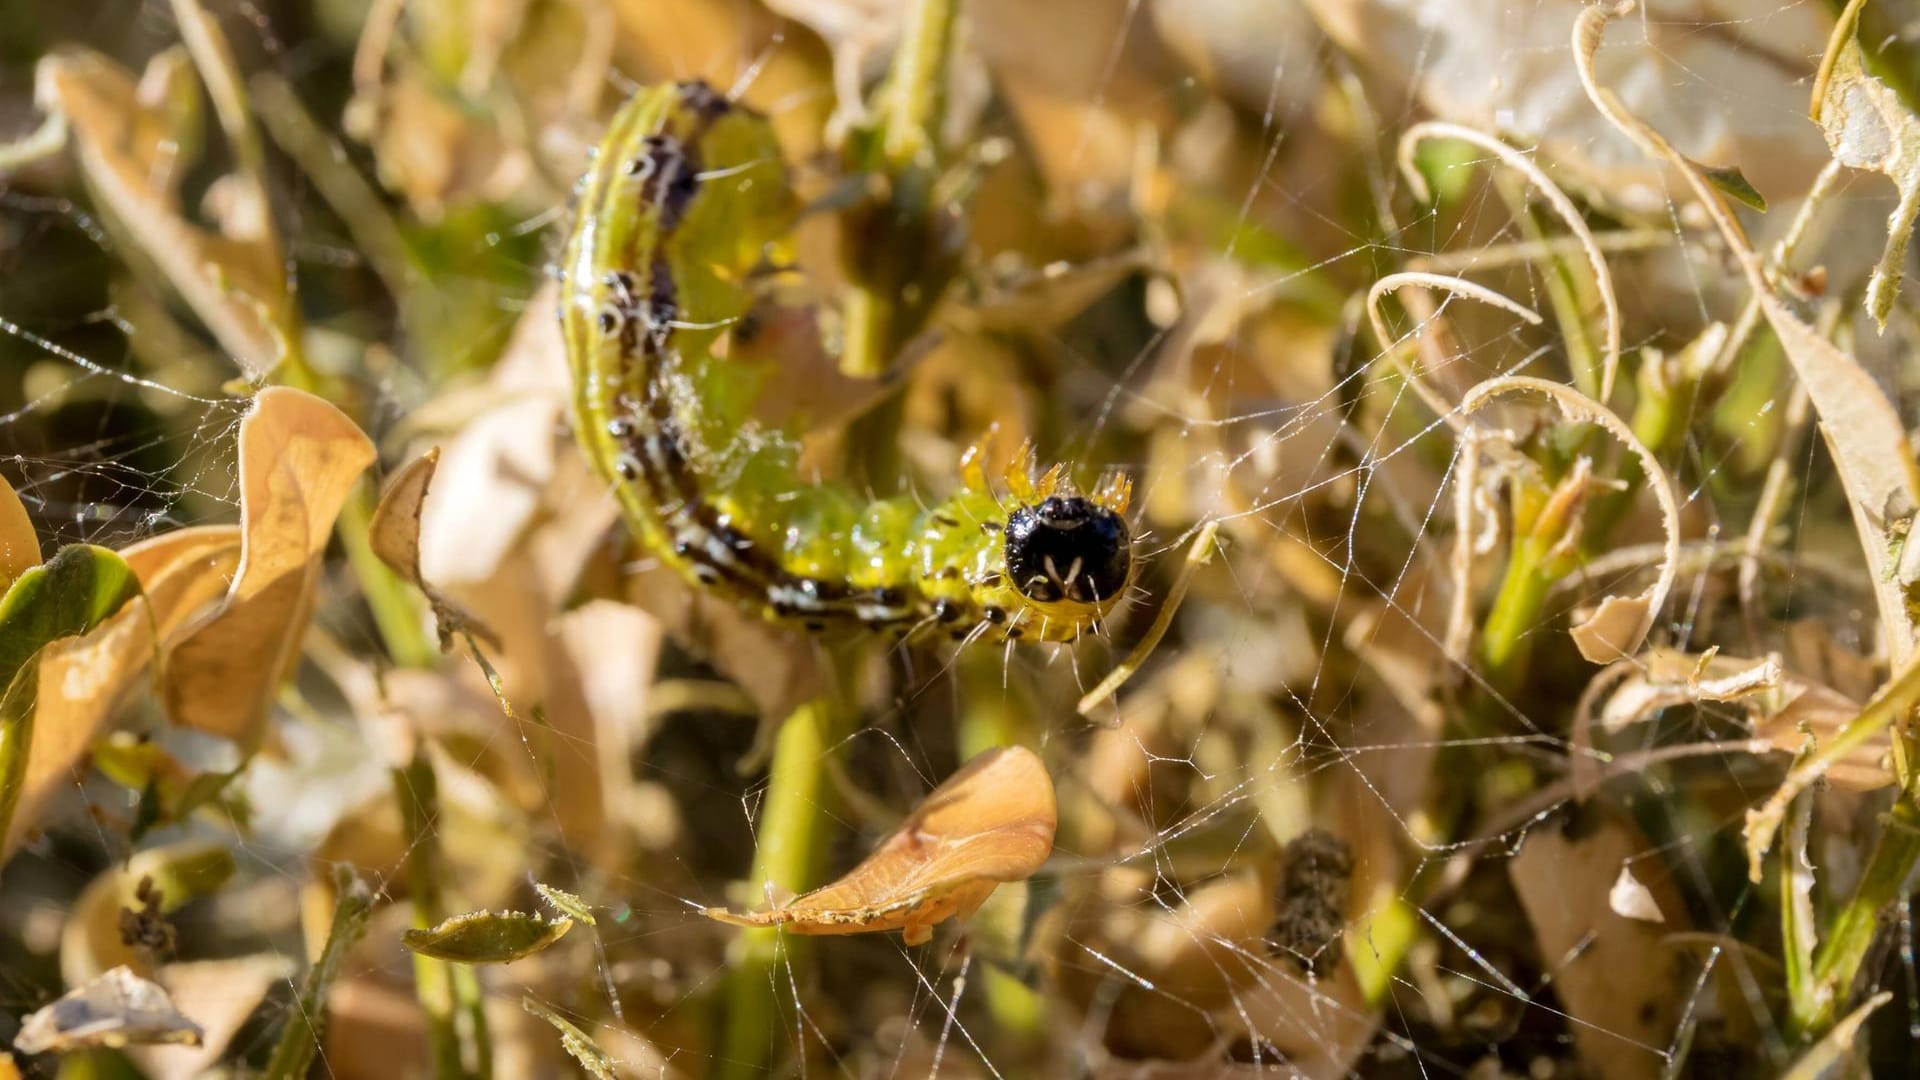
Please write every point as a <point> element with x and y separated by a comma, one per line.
<point>1734,184</point>
<point>75,591</point>
<point>487,937</point>
<point>574,1041</point>
<point>565,903</point>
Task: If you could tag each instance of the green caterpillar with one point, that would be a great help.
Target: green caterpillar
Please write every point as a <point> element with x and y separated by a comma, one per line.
<point>686,193</point>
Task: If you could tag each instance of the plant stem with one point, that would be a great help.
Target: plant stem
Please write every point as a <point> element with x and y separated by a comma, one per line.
<point>786,859</point>
<point>293,1054</point>
<point>442,988</point>
<point>900,247</point>
<point>1506,643</point>
<point>1837,961</point>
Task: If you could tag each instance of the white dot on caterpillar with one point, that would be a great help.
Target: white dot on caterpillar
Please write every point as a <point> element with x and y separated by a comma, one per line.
<point>627,466</point>
<point>800,599</point>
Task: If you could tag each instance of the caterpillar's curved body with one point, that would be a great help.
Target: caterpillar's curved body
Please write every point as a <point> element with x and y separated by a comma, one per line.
<point>685,194</point>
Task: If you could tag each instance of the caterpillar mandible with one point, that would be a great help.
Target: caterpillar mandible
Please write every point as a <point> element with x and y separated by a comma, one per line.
<point>685,194</point>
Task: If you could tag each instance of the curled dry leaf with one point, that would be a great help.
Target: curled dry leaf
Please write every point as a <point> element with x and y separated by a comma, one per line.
<point>125,137</point>
<point>990,822</point>
<point>1562,206</point>
<point>1393,282</point>
<point>1869,126</point>
<point>1616,628</point>
<point>1865,435</point>
<point>395,536</point>
<point>299,460</point>
<point>114,1010</point>
<point>487,937</point>
<point>1785,710</point>
<point>1611,970</point>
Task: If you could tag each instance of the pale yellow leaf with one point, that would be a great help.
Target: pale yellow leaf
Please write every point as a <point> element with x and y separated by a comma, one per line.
<point>299,460</point>
<point>19,547</point>
<point>1614,630</point>
<point>183,571</point>
<point>990,822</point>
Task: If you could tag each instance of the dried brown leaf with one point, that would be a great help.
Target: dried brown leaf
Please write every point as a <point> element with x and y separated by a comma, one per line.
<point>184,571</point>
<point>124,139</point>
<point>116,1009</point>
<point>395,535</point>
<point>1785,710</point>
<point>299,460</point>
<point>1612,972</point>
<point>990,822</point>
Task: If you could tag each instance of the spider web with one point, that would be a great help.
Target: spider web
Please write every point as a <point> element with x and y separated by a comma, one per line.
<point>1309,682</point>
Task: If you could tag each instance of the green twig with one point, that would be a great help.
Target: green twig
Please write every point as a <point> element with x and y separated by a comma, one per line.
<point>787,860</point>
<point>449,994</point>
<point>306,1021</point>
<point>901,246</point>
<point>1837,961</point>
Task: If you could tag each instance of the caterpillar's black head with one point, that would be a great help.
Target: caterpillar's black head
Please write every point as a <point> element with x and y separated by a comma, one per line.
<point>1068,548</point>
